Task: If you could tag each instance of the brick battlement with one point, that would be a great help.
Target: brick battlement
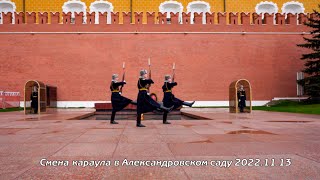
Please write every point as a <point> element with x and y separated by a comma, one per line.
<point>156,18</point>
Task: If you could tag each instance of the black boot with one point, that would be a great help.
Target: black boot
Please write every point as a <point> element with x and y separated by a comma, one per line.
<point>165,115</point>
<point>36,110</point>
<point>188,104</point>
<point>134,102</point>
<point>139,121</point>
<point>113,115</point>
<point>165,109</point>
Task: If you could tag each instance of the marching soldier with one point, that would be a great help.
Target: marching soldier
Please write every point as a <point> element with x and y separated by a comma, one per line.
<point>118,102</point>
<point>144,102</point>
<point>169,99</point>
<point>34,100</point>
<point>241,98</point>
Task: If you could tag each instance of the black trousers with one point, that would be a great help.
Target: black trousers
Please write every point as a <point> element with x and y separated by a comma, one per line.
<point>145,103</point>
<point>35,110</point>
<point>165,115</point>
<point>170,100</point>
<point>242,103</point>
<point>113,115</point>
<point>138,118</point>
<point>34,106</point>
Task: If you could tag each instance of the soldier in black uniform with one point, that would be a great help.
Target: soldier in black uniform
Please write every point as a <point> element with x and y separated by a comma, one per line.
<point>118,102</point>
<point>169,99</point>
<point>34,100</point>
<point>241,98</point>
<point>144,102</point>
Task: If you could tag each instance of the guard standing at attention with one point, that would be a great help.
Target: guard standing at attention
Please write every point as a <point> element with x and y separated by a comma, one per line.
<point>241,98</point>
<point>118,101</point>
<point>169,99</point>
<point>144,102</point>
<point>34,100</point>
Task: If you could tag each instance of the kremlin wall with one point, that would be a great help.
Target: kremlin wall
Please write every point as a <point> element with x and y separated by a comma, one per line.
<point>77,52</point>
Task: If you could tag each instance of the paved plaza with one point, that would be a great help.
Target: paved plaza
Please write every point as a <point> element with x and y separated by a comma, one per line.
<point>278,145</point>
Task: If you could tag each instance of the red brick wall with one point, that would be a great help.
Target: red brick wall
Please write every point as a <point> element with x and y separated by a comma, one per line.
<point>80,66</point>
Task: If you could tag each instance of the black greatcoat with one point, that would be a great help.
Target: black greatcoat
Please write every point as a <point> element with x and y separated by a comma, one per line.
<point>34,100</point>
<point>169,99</point>
<point>118,102</point>
<point>144,102</point>
<point>241,98</point>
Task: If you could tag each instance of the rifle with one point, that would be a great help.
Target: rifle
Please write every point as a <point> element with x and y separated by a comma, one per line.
<point>149,63</point>
<point>173,71</point>
<point>123,75</point>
